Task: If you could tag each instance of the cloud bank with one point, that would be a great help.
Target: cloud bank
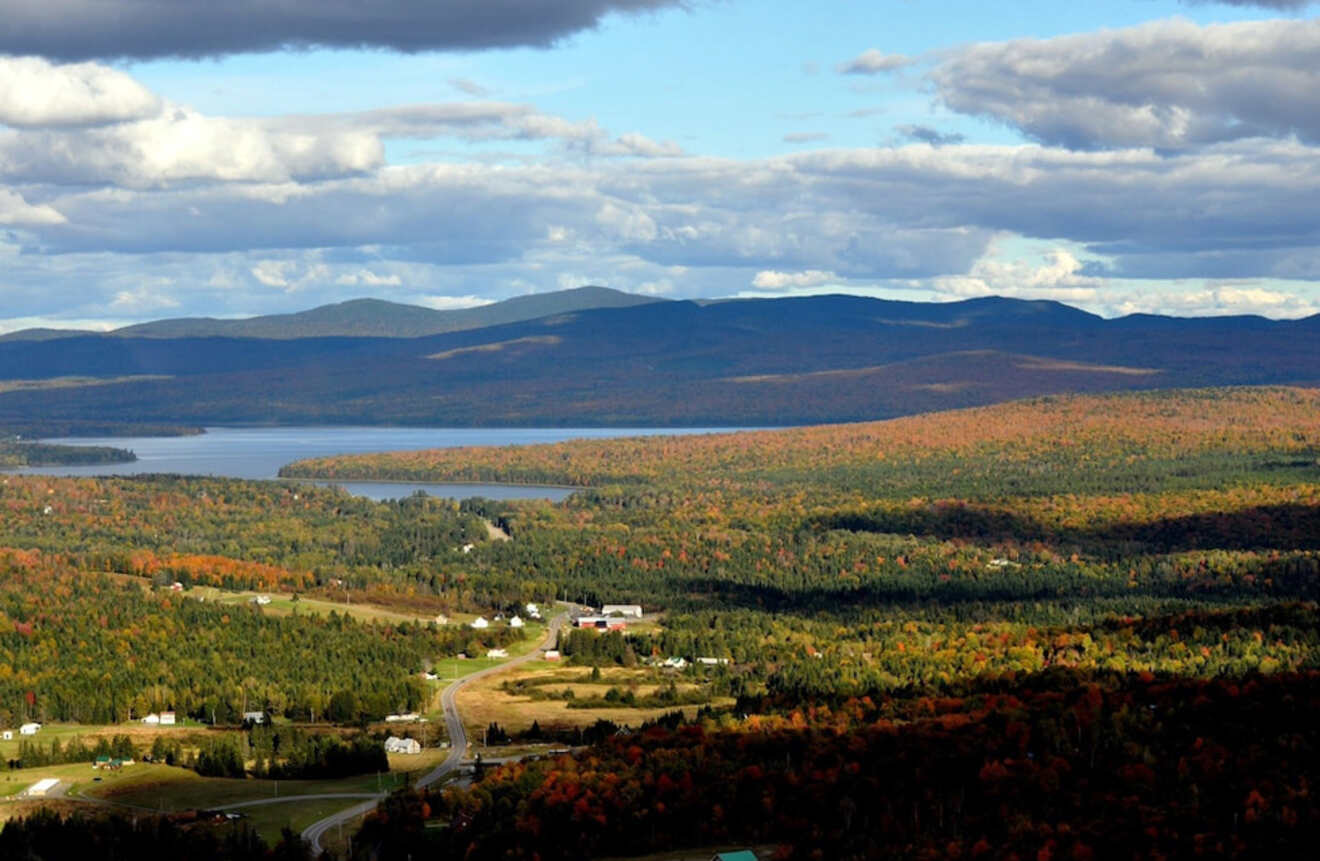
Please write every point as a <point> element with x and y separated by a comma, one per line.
<point>1167,84</point>
<point>144,29</point>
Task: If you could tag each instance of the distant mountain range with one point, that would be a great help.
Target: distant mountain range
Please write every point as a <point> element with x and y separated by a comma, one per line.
<point>365,318</point>
<point>631,360</point>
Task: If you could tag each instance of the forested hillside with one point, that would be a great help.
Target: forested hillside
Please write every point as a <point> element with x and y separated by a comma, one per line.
<point>1039,628</point>
<point>745,363</point>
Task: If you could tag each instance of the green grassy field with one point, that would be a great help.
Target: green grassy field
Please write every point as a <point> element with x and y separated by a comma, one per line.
<point>269,820</point>
<point>172,789</point>
<point>141,734</point>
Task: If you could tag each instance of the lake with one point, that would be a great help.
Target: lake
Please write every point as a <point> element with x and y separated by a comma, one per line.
<point>246,452</point>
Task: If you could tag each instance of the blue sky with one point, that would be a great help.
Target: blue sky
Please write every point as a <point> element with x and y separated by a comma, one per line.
<point>1124,156</point>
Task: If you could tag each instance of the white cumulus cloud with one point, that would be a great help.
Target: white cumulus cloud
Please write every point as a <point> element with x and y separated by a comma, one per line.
<point>769,279</point>
<point>37,93</point>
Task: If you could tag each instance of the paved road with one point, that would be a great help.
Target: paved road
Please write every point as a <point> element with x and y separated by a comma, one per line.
<point>285,799</point>
<point>458,740</point>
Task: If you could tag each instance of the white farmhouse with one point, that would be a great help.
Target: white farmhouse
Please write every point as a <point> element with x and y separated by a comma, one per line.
<point>394,744</point>
<point>632,611</point>
<point>167,718</point>
<point>402,718</point>
<point>480,623</point>
<point>152,719</point>
<point>497,653</point>
<point>515,622</point>
<point>29,729</point>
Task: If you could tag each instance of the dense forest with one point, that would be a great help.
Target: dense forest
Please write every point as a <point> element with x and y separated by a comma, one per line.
<point>48,835</point>
<point>1037,629</point>
<point>15,452</point>
<point>84,646</point>
<point>1043,628</point>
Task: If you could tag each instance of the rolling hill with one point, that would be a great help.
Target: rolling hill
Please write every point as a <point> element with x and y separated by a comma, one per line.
<point>780,361</point>
<point>366,318</point>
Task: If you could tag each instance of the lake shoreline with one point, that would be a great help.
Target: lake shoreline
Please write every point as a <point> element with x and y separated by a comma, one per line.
<point>259,454</point>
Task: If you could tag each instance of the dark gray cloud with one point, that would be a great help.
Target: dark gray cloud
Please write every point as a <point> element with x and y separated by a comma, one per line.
<point>926,134</point>
<point>85,29</point>
<point>1167,84</point>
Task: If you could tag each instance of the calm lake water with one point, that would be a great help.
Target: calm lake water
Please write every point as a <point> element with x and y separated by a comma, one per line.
<point>259,453</point>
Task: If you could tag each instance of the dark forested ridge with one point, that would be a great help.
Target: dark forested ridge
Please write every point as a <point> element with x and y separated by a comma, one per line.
<point>785,361</point>
<point>367,318</point>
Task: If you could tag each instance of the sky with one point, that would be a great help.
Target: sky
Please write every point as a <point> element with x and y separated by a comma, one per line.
<point>201,159</point>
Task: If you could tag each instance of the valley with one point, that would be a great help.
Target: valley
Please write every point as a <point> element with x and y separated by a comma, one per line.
<point>963,588</point>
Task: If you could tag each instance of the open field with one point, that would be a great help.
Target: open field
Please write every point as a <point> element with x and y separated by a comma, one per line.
<point>142,735</point>
<point>152,787</point>
<point>483,702</point>
<point>284,604</point>
<point>75,775</point>
<point>75,382</point>
<point>17,809</point>
<point>181,789</point>
<point>270,819</point>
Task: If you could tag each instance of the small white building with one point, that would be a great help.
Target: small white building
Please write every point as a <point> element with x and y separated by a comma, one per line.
<point>42,787</point>
<point>402,718</point>
<point>394,744</point>
<point>167,718</point>
<point>152,719</point>
<point>497,653</point>
<point>515,622</point>
<point>254,717</point>
<point>674,663</point>
<point>263,600</point>
<point>29,729</point>
<point>176,586</point>
<point>431,677</point>
<point>632,611</point>
<point>552,654</point>
<point>480,623</point>
<point>710,662</point>
<point>7,735</point>
<point>532,609</point>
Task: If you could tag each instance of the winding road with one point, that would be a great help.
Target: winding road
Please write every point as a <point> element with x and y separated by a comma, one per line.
<point>457,738</point>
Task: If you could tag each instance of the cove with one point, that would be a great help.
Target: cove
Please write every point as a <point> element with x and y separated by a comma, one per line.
<point>259,452</point>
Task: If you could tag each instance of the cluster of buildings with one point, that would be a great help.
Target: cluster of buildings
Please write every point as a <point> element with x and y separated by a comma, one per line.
<point>612,617</point>
<point>25,729</point>
<point>481,624</point>
<point>162,719</point>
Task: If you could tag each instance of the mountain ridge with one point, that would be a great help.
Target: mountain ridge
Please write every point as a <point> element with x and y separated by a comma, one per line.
<point>363,317</point>
<point>791,360</point>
